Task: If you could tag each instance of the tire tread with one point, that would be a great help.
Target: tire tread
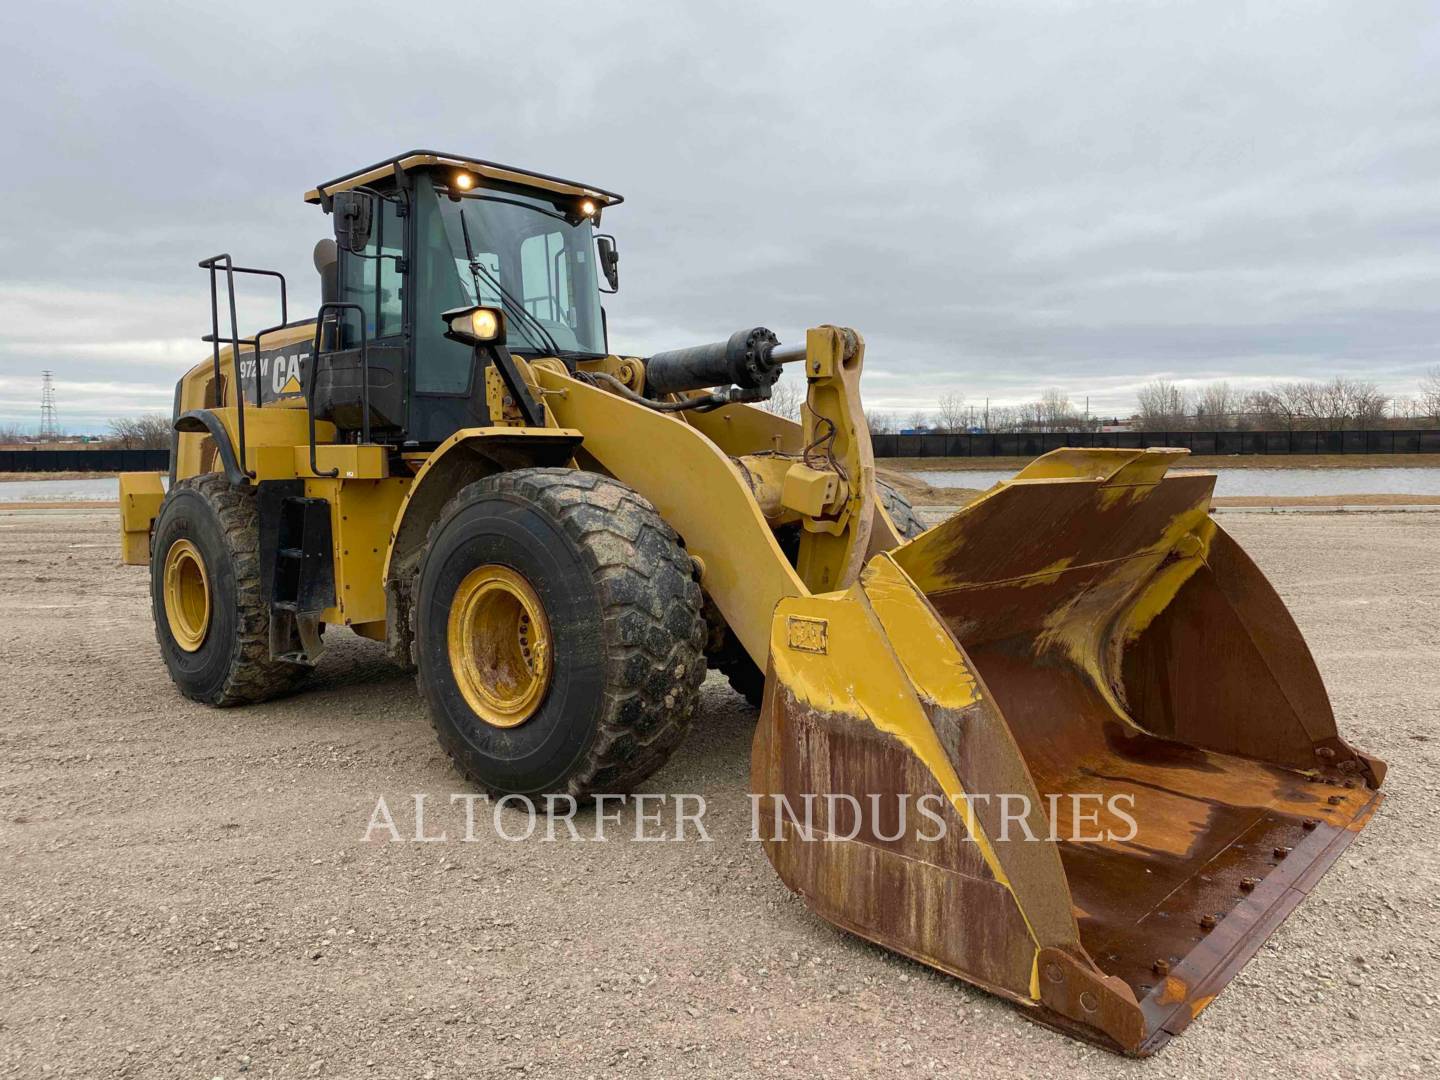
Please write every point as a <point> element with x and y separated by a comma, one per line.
<point>653,657</point>
<point>253,676</point>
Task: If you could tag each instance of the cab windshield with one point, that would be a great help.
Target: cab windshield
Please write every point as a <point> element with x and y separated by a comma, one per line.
<point>522,254</point>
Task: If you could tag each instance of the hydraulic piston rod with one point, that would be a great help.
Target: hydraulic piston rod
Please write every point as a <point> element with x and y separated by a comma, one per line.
<point>750,359</point>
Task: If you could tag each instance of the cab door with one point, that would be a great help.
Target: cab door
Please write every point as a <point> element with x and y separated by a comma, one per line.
<point>447,387</point>
<point>377,279</point>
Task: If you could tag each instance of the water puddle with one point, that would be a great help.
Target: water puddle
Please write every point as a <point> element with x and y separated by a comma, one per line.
<point>1274,482</point>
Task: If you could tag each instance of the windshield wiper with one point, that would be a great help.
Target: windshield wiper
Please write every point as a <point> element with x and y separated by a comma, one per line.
<point>519,309</point>
<point>508,301</point>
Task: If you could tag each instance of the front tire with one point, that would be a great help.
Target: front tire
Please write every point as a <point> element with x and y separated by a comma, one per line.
<point>557,634</point>
<point>731,659</point>
<point>211,621</point>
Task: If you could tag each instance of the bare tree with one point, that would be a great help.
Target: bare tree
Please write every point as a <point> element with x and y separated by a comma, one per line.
<point>1319,406</point>
<point>1001,418</point>
<point>10,433</point>
<point>1282,405</point>
<point>1363,403</point>
<point>148,431</point>
<point>1053,411</point>
<point>919,420</point>
<point>879,422</point>
<point>786,399</point>
<point>1340,403</point>
<point>952,412</point>
<point>1056,412</point>
<point>1216,406</point>
<point>1163,405</point>
<point>1428,400</point>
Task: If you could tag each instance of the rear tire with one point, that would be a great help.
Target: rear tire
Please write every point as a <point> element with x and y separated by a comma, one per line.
<point>743,674</point>
<point>907,522</point>
<point>619,645</point>
<point>220,656</point>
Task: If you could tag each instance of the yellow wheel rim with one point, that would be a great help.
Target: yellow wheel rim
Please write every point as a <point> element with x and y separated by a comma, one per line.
<point>499,643</point>
<point>187,595</point>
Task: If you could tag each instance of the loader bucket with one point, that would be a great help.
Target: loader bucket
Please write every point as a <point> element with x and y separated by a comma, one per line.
<point>1129,760</point>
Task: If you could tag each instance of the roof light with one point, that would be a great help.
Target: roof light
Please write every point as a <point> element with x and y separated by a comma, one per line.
<point>464,181</point>
<point>588,208</point>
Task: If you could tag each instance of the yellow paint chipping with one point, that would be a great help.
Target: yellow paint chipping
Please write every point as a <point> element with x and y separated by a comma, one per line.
<point>868,675</point>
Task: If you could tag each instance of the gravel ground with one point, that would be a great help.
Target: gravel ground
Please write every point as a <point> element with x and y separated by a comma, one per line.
<point>186,891</point>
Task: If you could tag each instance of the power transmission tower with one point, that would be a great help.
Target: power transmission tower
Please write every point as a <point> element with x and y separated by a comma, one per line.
<point>49,423</point>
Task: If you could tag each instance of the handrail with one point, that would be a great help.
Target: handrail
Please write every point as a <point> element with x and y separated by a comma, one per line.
<point>213,264</point>
<point>338,305</point>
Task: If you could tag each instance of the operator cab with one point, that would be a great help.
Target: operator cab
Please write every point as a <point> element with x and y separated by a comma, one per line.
<point>427,233</point>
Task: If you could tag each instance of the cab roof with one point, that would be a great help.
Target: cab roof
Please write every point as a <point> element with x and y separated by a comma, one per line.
<point>420,159</point>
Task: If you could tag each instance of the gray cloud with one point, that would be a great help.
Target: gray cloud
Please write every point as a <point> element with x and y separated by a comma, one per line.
<point>1002,196</point>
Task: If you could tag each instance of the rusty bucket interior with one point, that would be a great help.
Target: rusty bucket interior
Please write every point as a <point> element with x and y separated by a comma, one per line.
<point>1133,673</point>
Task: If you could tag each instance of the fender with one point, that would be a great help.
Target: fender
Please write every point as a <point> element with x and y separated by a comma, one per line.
<point>698,490</point>
<point>469,455</point>
<point>204,421</point>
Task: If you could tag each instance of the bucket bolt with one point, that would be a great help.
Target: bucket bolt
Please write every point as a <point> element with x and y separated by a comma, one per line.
<point>1335,800</point>
<point>1209,922</point>
<point>1281,852</point>
<point>1161,967</point>
<point>1309,824</point>
<point>1325,753</point>
<point>1247,884</point>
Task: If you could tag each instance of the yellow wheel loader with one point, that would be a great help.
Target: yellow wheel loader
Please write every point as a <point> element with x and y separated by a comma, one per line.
<point>1067,745</point>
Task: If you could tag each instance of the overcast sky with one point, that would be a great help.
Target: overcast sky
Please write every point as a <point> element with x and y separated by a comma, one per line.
<point>1003,197</point>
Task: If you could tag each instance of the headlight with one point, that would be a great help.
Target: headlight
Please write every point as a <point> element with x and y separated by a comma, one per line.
<point>475,325</point>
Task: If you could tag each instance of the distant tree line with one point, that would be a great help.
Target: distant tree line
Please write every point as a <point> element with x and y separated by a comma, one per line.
<point>148,431</point>
<point>1052,411</point>
<point>1337,405</point>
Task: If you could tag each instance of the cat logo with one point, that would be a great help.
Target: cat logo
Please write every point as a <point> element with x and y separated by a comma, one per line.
<point>280,372</point>
<point>285,374</point>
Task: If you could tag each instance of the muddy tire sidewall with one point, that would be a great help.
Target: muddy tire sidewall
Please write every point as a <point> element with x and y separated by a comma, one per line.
<point>201,674</point>
<point>539,753</point>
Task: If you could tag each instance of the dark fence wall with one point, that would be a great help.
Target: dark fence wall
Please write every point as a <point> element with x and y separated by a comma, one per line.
<point>1032,444</point>
<point>84,460</point>
<point>1010,445</point>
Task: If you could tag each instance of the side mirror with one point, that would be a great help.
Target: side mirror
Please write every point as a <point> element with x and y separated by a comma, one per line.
<point>609,260</point>
<point>353,211</point>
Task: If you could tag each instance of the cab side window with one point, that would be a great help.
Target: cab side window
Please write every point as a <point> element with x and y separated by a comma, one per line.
<point>545,278</point>
<point>373,279</point>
